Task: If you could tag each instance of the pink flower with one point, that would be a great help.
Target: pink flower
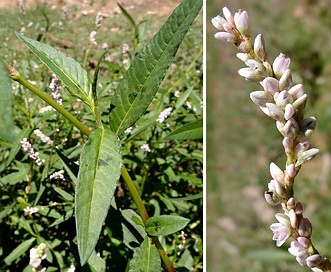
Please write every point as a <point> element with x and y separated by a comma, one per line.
<point>281,230</point>
<point>280,65</point>
<point>299,251</point>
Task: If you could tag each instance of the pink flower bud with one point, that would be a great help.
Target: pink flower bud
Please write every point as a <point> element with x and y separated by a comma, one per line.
<point>283,98</point>
<point>218,22</point>
<point>314,260</point>
<point>259,47</point>
<point>275,112</point>
<point>289,111</point>
<point>243,56</point>
<point>297,250</point>
<point>293,219</point>
<point>290,170</point>
<point>301,146</point>
<point>251,74</point>
<point>290,203</point>
<point>280,65</point>
<point>225,37</point>
<point>306,156</point>
<point>296,91</point>
<point>270,85</point>
<point>304,242</point>
<point>228,28</point>
<point>276,172</point>
<point>228,15</point>
<point>241,21</point>
<point>260,98</point>
<point>285,82</point>
<point>300,103</point>
<point>298,208</point>
<point>290,128</point>
<point>305,228</point>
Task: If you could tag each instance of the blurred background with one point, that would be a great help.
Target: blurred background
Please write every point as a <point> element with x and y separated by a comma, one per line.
<point>242,141</point>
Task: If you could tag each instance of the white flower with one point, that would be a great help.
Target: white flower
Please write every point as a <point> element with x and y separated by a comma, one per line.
<point>29,210</point>
<point>57,175</point>
<point>163,115</point>
<point>42,136</point>
<point>128,130</point>
<point>146,148</point>
<point>37,255</point>
<point>92,37</point>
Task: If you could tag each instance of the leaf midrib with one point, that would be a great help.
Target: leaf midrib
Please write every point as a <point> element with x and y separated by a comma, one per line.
<point>140,90</point>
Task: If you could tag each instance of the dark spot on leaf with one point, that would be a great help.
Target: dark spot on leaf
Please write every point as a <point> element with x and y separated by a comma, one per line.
<point>132,96</point>
<point>102,162</point>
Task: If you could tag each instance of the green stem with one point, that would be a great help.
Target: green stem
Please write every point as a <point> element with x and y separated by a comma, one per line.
<point>15,75</point>
<point>144,215</point>
<point>135,194</point>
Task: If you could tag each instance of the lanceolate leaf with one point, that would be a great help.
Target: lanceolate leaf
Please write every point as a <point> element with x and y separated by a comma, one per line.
<point>145,258</point>
<point>70,72</point>
<point>165,224</point>
<point>100,168</point>
<point>7,125</point>
<point>141,82</point>
<point>191,131</point>
<point>19,250</point>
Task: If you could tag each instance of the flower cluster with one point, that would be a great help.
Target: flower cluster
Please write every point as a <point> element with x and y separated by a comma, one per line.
<point>27,147</point>
<point>164,115</point>
<point>42,136</point>
<point>30,210</point>
<point>54,86</point>
<point>284,102</point>
<point>57,175</point>
<point>36,256</point>
<point>146,148</point>
<point>92,37</point>
<point>98,19</point>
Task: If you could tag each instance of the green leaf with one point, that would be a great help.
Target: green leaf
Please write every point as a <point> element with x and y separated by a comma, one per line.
<point>96,263</point>
<point>145,258</point>
<point>188,131</point>
<point>70,72</point>
<point>16,147</point>
<point>66,196</point>
<point>7,125</point>
<point>16,176</point>
<point>19,250</point>
<point>188,198</point>
<point>100,168</point>
<point>141,81</point>
<point>165,224</point>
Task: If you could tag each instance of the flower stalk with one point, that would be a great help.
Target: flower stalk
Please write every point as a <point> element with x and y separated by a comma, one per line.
<point>284,102</point>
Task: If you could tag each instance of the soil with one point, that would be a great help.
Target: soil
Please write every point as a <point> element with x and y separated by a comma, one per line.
<point>158,7</point>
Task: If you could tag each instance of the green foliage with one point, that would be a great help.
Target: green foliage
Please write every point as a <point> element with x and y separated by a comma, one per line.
<point>87,217</point>
<point>141,82</point>
<point>7,124</point>
<point>100,168</point>
<point>145,258</point>
<point>165,224</point>
<point>72,75</point>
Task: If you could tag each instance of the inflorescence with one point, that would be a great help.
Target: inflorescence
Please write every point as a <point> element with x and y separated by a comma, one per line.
<point>284,102</point>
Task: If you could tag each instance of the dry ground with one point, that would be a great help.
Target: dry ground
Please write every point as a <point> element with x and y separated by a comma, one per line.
<point>160,7</point>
